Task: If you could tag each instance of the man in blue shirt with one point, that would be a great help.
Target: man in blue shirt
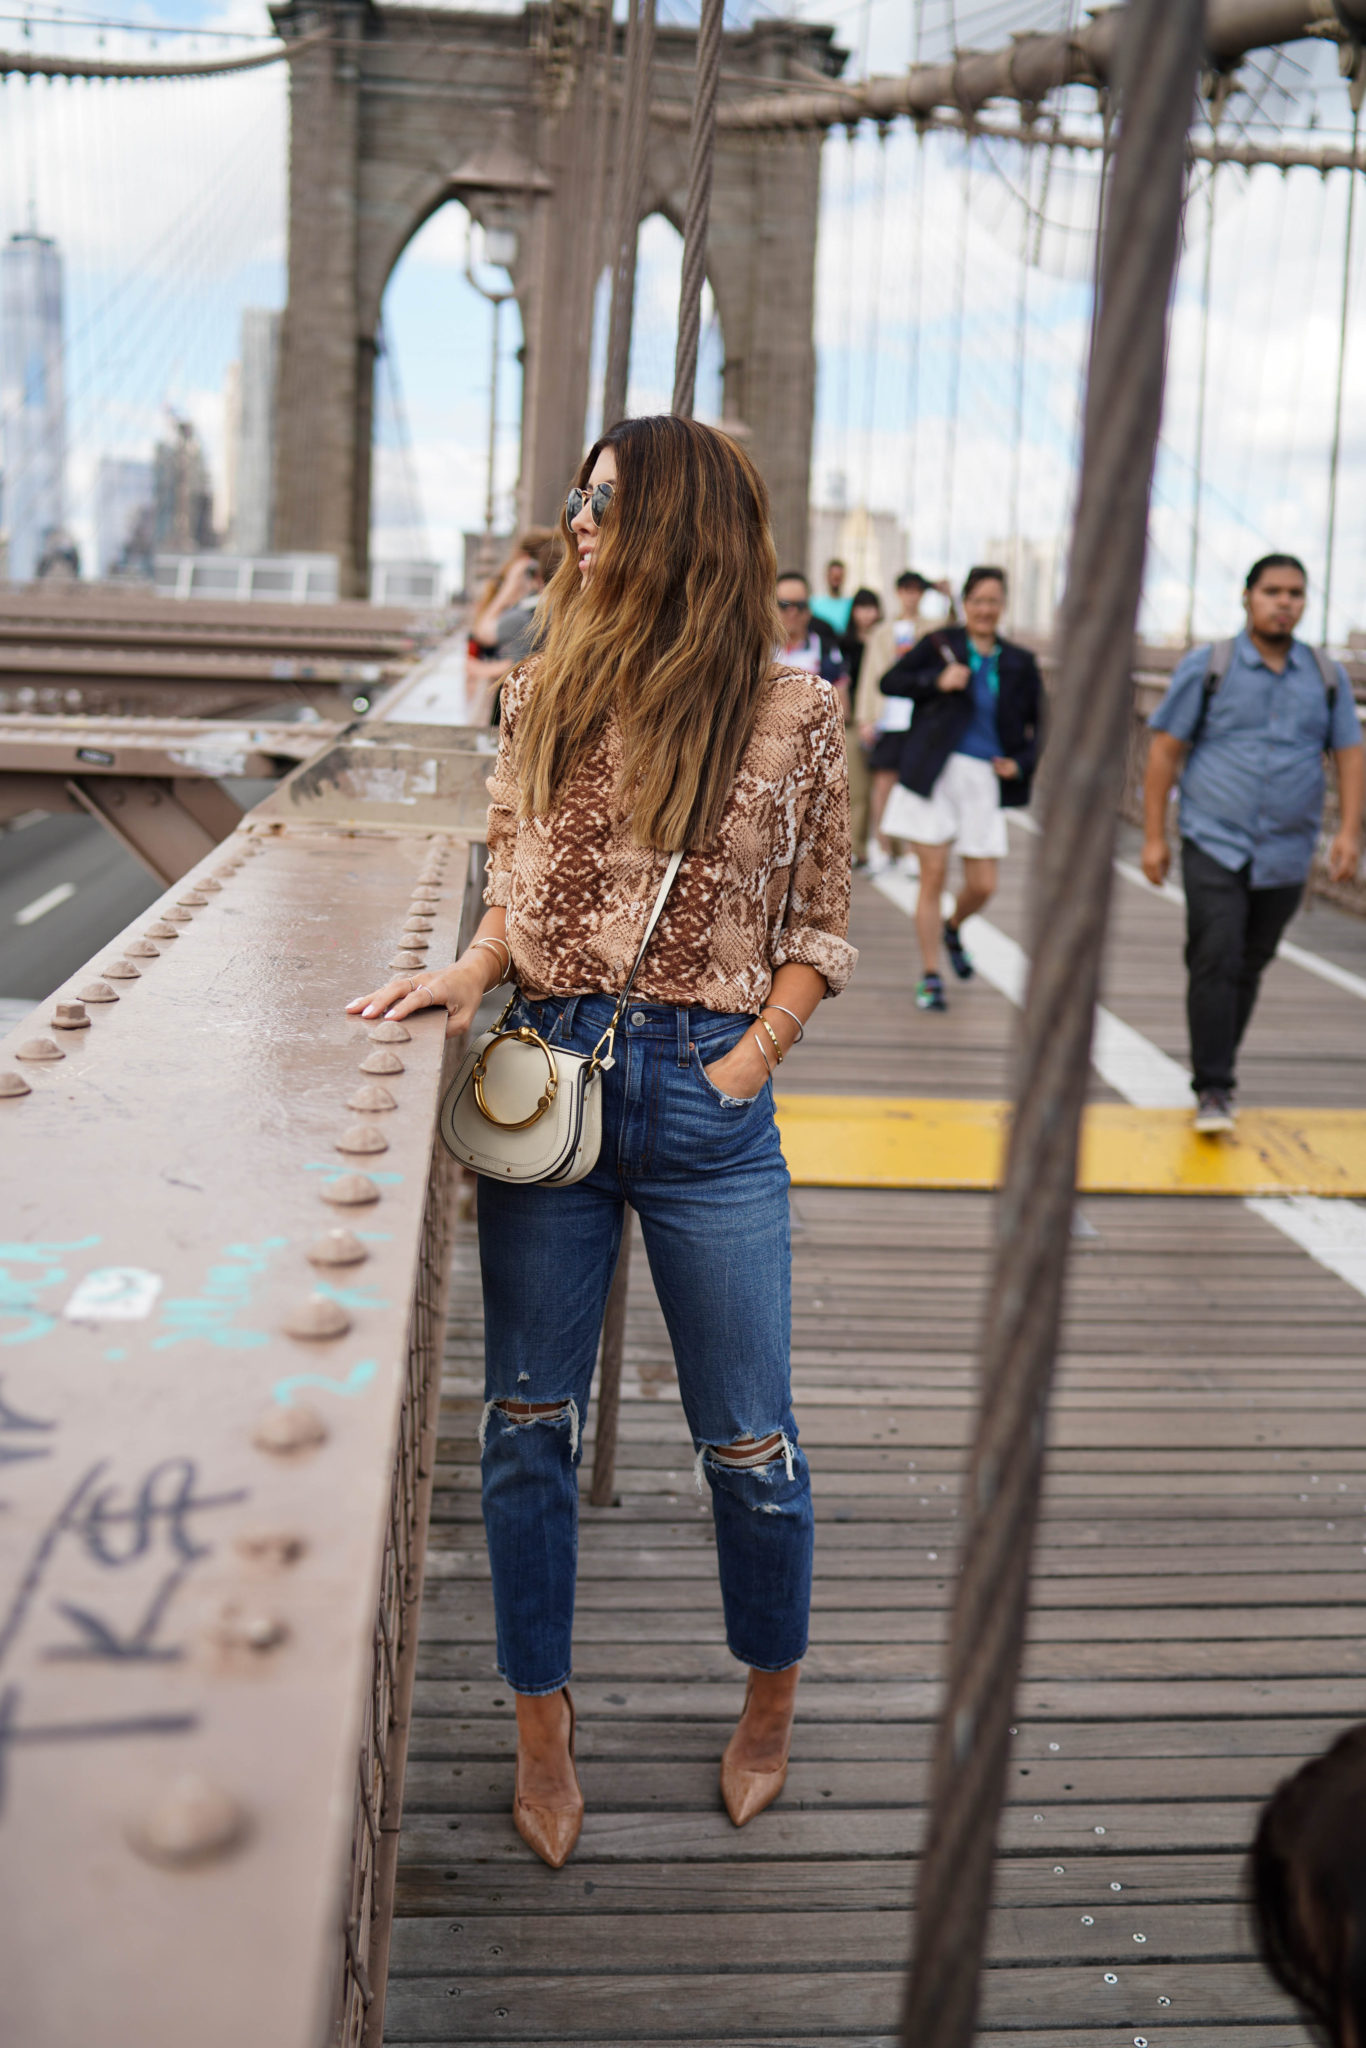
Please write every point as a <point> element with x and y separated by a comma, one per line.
<point>1251,721</point>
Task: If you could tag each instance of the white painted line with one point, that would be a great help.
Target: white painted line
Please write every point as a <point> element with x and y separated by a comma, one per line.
<point>1333,1232</point>
<point>41,905</point>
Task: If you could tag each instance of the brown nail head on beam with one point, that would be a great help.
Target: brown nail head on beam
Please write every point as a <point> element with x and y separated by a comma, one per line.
<point>13,1084</point>
<point>39,1049</point>
<point>390,1034</point>
<point>192,1821</point>
<point>381,1062</point>
<point>350,1191</point>
<point>418,923</point>
<point>317,1318</point>
<point>99,992</point>
<point>407,960</point>
<point>70,1017</point>
<point>194,901</point>
<point>161,930</point>
<point>174,916</point>
<point>274,1547</point>
<point>122,970</point>
<point>209,885</point>
<point>337,1248</point>
<point>428,890</point>
<point>362,1138</point>
<point>285,1431</point>
<point>139,949</point>
<point>370,1095</point>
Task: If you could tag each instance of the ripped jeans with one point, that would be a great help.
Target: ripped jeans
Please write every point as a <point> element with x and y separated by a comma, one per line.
<point>705,1175</point>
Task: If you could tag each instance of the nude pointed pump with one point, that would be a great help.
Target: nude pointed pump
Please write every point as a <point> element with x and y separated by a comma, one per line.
<point>748,1792</point>
<point>551,1831</point>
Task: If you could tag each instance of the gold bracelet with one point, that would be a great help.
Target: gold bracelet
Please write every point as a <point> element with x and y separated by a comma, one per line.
<point>774,1036</point>
<point>506,948</point>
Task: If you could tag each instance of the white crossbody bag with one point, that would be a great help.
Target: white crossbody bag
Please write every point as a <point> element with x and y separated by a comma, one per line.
<point>520,1109</point>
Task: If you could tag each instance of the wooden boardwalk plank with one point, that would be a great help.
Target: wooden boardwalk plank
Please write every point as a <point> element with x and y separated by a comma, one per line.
<point>1195,1634</point>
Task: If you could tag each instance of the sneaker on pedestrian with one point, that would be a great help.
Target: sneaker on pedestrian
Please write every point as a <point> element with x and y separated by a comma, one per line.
<point>1214,1112</point>
<point>929,993</point>
<point>960,960</point>
<point>879,860</point>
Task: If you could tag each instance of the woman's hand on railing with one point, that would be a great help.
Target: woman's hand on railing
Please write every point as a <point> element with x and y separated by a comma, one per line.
<point>459,990</point>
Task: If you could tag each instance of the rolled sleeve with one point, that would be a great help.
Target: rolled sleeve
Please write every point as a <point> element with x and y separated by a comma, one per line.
<point>815,923</point>
<point>1179,711</point>
<point>504,799</point>
<point>1346,722</point>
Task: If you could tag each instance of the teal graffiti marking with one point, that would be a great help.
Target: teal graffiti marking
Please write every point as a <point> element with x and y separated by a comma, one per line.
<point>358,1377</point>
<point>19,1291</point>
<point>351,1297</point>
<point>381,1180</point>
<point>210,1317</point>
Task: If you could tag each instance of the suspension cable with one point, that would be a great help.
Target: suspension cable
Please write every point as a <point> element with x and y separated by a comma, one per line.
<point>1198,488</point>
<point>1336,450</point>
<point>871,353</point>
<point>956,362</point>
<point>633,132</point>
<point>1093,700</point>
<point>702,156</point>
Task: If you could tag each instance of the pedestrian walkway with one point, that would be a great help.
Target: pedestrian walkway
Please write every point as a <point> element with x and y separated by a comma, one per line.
<point>1197,1605</point>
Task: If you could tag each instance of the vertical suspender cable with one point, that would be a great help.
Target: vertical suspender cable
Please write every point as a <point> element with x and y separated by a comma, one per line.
<point>916,320</point>
<point>701,158</point>
<point>1198,487</point>
<point>633,129</point>
<point>956,364</point>
<point>1332,534</point>
<point>1021,333</point>
<point>1158,58</point>
<point>870,388</point>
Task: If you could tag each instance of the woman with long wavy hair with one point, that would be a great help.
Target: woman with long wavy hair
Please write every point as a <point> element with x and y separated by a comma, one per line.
<point>651,721</point>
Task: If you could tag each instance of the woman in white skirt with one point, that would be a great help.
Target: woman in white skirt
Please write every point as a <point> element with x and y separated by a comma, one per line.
<point>968,757</point>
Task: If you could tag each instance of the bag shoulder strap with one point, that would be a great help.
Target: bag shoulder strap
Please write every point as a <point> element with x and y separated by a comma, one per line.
<point>1216,668</point>
<point>670,873</point>
<point>1328,669</point>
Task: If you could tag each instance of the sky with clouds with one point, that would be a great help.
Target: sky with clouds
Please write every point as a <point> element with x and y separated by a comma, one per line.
<point>936,256</point>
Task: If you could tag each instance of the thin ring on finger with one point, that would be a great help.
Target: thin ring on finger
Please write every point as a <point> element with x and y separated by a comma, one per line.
<point>420,988</point>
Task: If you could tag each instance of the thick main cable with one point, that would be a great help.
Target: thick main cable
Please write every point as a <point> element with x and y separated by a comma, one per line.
<point>1093,707</point>
<point>702,156</point>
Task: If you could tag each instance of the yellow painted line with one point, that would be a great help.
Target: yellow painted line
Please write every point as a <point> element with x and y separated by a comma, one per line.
<point>885,1141</point>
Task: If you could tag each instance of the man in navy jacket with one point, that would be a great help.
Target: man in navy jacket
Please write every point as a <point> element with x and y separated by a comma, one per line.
<point>970,753</point>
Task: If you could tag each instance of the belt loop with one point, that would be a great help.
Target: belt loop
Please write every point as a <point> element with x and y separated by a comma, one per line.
<point>567,1019</point>
<point>683,1017</point>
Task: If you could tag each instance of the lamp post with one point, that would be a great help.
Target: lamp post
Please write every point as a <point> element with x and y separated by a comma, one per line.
<point>500,249</point>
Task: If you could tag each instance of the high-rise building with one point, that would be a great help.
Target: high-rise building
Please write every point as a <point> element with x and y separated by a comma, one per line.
<point>32,402</point>
<point>124,498</point>
<point>182,495</point>
<point>251,433</point>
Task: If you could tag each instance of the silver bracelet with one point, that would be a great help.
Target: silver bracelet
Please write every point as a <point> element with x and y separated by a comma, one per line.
<point>506,948</point>
<point>767,1061</point>
<point>801,1029</point>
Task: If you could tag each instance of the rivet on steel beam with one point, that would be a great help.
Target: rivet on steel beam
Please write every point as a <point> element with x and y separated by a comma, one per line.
<point>174,916</point>
<point>14,1084</point>
<point>407,960</point>
<point>362,1138</point>
<point>417,923</point>
<point>390,1034</point>
<point>370,1095</point>
<point>317,1318</point>
<point>192,1822</point>
<point>337,1248</point>
<point>209,886</point>
<point>285,1431</point>
<point>274,1547</point>
<point>161,930</point>
<point>139,949</point>
<point>70,1017</point>
<point>99,992</point>
<point>381,1062</point>
<point>39,1049</point>
<point>239,1631</point>
<point>427,890</point>
<point>194,901</point>
<point>122,970</point>
<point>350,1191</point>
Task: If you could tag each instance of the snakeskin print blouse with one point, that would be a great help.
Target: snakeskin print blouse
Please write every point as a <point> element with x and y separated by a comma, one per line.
<point>773,886</point>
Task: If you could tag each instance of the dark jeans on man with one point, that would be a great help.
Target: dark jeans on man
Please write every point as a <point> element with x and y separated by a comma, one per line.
<point>1232,931</point>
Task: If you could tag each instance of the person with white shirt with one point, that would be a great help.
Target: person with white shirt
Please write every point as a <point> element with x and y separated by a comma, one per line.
<point>883,722</point>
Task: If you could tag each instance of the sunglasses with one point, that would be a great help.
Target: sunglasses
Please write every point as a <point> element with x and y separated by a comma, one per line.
<point>793,604</point>
<point>597,502</point>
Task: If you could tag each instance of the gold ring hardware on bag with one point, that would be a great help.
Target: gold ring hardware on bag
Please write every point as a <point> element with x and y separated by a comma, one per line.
<point>525,1036</point>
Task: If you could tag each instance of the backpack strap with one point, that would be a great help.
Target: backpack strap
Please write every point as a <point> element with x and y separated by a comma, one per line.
<point>1220,655</point>
<point>1328,669</point>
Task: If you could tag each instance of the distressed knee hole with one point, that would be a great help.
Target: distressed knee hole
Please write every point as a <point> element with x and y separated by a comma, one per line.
<point>522,1414</point>
<point>747,1454</point>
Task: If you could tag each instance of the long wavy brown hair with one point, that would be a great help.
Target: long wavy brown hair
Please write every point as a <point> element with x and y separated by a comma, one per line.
<point>675,630</point>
